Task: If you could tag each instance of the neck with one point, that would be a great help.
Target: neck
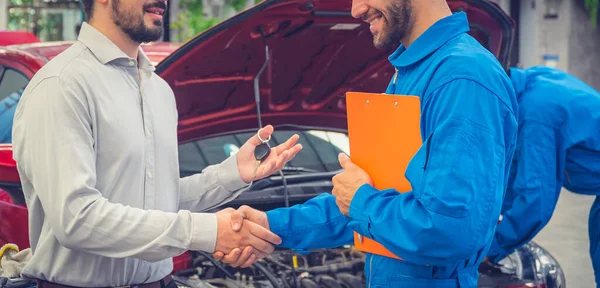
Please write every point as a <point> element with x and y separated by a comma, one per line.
<point>425,18</point>
<point>116,35</point>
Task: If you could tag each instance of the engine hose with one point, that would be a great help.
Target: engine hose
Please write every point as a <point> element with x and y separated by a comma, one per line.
<point>217,264</point>
<point>308,283</point>
<point>350,280</point>
<point>328,281</point>
<point>334,268</point>
<point>268,274</point>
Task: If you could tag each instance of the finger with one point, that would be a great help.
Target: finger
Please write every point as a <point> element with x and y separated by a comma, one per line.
<point>261,245</point>
<point>249,262</point>
<point>232,257</point>
<point>282,159</point>
<point>344,160</point>
<point>237,219</point>
<point>262,233</point>
<point>260,254</point>
<point>287,144</point>
<point>245,256</point>
<point>294,150</point>
<point>265,133</point>
<point>218,255</point>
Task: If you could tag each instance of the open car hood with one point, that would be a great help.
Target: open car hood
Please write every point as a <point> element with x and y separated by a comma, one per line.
<point>317,51</point>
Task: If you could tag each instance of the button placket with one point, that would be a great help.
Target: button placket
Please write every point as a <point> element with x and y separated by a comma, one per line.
<point>149,148</point>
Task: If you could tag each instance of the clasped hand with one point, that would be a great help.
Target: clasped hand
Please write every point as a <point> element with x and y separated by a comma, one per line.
<point>245,227</point>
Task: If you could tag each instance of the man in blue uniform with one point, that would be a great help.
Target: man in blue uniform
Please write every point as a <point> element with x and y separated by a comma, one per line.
<point>444,227</point>
<point>558,145</point>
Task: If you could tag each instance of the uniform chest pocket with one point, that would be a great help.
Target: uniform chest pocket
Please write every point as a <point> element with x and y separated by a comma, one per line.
<point>417,165</point>
<point>460,168</point>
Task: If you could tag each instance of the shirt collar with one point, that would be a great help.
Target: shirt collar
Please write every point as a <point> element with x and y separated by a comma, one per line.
<point>432,39</point>
<point>106,51</point>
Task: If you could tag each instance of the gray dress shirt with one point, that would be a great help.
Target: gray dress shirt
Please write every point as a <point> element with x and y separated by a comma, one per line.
<point>95,140</point>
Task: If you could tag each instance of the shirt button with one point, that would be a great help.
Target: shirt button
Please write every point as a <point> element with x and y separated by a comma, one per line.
<point>148,132</point>
<point>149,174</point>
<point>131,63</point>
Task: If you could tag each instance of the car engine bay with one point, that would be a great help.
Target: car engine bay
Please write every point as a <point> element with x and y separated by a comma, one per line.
<point>335,268</point>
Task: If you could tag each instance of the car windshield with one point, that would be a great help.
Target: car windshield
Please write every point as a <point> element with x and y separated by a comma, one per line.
<point>319,153</point>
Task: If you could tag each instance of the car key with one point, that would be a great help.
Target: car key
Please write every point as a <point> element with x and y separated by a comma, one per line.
<point>261,152</point>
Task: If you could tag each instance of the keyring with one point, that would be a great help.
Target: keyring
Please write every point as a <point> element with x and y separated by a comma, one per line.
<point>261,140</point>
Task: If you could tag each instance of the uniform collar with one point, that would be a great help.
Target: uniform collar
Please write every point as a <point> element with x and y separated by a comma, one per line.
<point>432,39</point>
<point>106,51</point>
<point>519,81</point>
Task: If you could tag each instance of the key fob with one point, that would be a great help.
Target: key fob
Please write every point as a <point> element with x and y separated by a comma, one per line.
<point>262,151</point>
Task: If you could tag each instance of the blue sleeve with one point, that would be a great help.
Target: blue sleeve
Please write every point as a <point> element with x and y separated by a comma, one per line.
<point>457,179</point>
<point>531,197</point>
<point>318,223</point>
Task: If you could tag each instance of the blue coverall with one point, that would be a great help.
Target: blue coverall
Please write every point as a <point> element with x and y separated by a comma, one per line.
<point>444,226</point>
<point>8,106</point>
<point>558,145</point>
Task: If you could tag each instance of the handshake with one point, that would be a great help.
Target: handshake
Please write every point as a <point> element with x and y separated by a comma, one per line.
<point>243,236</point>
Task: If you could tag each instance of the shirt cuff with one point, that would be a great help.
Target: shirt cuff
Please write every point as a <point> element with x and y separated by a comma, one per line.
<point>229,174</point>
<point>204,232</point>
<point>358,210</point>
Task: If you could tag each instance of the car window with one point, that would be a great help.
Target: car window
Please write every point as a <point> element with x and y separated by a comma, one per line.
<point>11,81</point>
<point>319,153</point>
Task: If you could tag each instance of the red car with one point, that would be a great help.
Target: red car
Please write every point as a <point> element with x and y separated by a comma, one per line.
<point>17,37</point>
<point>286,63</point>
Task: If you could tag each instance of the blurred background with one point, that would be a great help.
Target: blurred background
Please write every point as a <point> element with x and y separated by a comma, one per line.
<point>561,33</point>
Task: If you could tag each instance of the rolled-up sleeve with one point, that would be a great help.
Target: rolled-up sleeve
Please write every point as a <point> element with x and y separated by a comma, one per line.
<point>458,180</point>
<point>54,150</point>
<point>216,185</point>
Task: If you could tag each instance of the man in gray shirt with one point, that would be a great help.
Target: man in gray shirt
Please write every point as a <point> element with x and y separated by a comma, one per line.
<point>95,140</point>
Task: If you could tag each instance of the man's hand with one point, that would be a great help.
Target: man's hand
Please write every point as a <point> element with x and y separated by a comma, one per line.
<point>257,239</point>
<point>237,257</point>
<point>279,156</point>
<point>347,183</point>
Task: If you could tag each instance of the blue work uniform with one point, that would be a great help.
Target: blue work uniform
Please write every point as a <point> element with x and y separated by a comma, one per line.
<point>558,145</point>
<point>8,107</point>
<point>444,226</point>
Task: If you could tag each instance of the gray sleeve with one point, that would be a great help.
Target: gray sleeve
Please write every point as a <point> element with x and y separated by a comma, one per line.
<point>216,185</point>
<point>54,148</point>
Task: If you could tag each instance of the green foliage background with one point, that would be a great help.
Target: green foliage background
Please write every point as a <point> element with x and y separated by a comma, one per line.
<point>592,7</point>
<point>191,20</point>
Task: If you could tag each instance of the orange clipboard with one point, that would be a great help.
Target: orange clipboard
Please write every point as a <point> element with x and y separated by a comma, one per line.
<point>384,134</point>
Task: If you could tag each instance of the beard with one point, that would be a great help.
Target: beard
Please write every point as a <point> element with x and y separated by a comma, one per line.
<point>133,24</point>
<point>397,25</point>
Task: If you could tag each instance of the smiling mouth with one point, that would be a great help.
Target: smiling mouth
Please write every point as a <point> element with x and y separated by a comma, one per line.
<point>155,10</point>
<point>374,18</point>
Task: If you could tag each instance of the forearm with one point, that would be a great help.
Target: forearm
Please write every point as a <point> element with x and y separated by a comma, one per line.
<point>113,230</point>
<point>215,186</point>
<point>318,223</point>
